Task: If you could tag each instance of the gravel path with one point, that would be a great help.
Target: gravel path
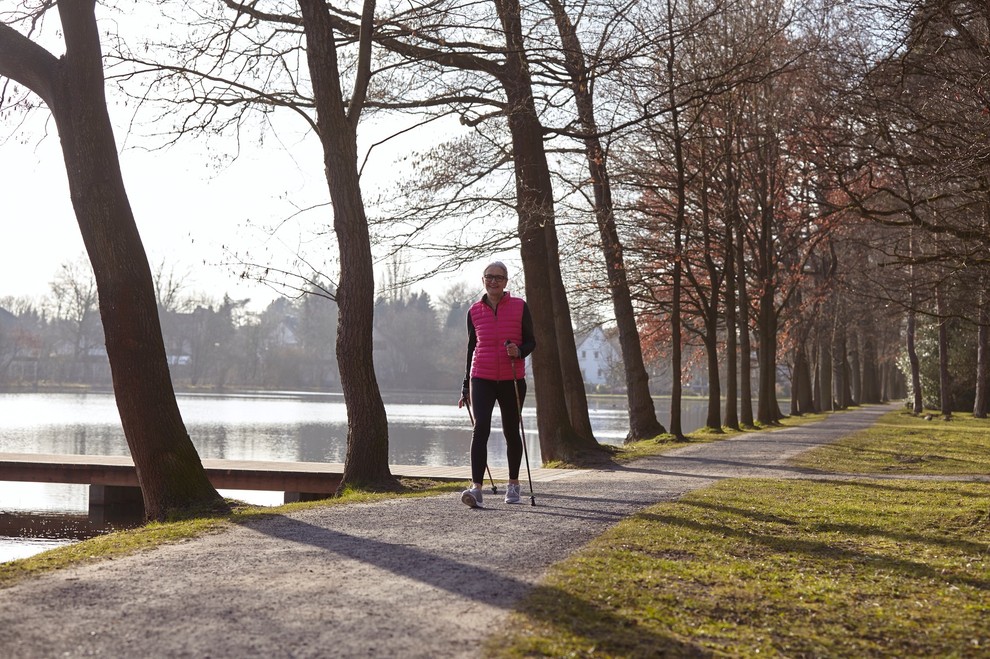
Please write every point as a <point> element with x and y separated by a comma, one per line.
<point>405,577</point>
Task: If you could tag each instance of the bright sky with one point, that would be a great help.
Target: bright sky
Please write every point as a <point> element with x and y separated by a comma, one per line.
<point>193,216</point>
<point>196,210</point>
<point>187,214</point>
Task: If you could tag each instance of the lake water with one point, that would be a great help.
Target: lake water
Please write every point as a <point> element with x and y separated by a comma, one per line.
<point>424,429</point>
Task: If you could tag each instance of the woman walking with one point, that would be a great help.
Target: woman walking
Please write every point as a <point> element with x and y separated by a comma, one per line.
<point>500,337</point>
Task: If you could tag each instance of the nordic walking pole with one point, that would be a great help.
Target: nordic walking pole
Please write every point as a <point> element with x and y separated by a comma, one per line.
<point>471,416</point>
<point>522,430</point>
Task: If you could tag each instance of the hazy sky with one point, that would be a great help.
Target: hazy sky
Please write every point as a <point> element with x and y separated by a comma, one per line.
<point>187,215</point>
<point>196,209</point>
<point>200,218</point>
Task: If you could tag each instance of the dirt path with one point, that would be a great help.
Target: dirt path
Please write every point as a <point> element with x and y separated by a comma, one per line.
<point>408,578</point>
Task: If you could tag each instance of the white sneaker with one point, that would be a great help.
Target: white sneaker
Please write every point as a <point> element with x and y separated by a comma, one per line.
<point>512,493</point>
<point>471,497</point>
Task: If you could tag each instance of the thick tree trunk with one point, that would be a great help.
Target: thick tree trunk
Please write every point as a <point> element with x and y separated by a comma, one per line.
<point>535,207</point>
<point>643,423</point>
<point>714,418</point>
<point>169,470</point>
<point>767,335</point>
<point>366,463</point>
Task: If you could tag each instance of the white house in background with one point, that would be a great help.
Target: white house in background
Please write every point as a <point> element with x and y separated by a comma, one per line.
<point>599,359</point>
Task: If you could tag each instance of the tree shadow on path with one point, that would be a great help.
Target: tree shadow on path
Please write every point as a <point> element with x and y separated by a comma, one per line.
<point>477,583</point>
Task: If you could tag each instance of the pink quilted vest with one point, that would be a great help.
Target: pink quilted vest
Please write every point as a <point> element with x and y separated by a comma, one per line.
<point>490,362</point>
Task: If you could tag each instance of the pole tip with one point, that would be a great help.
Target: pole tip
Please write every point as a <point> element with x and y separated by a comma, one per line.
<point>532,501</point>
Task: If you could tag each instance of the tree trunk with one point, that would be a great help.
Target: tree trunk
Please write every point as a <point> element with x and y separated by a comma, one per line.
<point>168,468</point>
<point>732,233</point>
<point>871,389</point>
<point>366,462</point>
<point>535,207</point>
<point>803,398</point>
<point>826,402</point>
<point>982,402</point>
<point>676,367</point>
<point>570,368</point>
<point>745,346</point>
<point>676,349</point>
<point>643,422</point>
<point>918,404</point>
<point>855,368</point>
<point>840,366</point>
<point>944,375</point>
<point>816,377</point>
<point>707,296</point>
<point>767,335</point>
<point>714,419</point>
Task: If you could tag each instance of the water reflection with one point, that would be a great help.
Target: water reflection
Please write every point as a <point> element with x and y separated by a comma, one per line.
<point>424,429</point>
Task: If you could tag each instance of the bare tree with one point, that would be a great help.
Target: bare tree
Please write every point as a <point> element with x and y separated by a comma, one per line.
<point>366,463</point>
<point>643,421</point>
<point>246,62</point>
<point>74,309</point>
<point>72,87</point>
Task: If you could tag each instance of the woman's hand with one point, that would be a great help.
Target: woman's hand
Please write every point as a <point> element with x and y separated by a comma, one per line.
<point>512,350</point>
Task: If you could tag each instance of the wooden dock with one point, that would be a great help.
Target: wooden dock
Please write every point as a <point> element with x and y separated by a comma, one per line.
<point>113,479</point>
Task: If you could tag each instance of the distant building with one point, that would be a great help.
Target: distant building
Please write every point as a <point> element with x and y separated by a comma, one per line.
<point>600,360</point>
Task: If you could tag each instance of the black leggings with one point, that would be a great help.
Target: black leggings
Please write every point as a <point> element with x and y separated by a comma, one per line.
<point>484,395</point>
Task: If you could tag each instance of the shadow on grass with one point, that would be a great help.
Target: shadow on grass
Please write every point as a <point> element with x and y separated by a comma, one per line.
<point>824,551</point>
<point>859,530</point>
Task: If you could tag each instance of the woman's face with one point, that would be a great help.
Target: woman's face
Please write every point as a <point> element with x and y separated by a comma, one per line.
<point>495,280</point>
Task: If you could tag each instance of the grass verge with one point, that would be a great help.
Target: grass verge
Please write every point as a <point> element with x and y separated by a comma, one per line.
<point>124,542</point>
<point>752,568</point>
<point>902,443</point>
<point>781,568</point>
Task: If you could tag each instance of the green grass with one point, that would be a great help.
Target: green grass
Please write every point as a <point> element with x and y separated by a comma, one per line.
<point>774,568</point>
<point>901,443</point>
<point>796,568</point>
<point>124,542</point>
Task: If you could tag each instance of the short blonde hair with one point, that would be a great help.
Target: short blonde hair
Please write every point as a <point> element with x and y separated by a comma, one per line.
<point>500,265</point>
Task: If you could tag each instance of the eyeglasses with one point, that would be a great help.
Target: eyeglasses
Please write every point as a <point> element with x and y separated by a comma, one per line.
<point>494,279</point>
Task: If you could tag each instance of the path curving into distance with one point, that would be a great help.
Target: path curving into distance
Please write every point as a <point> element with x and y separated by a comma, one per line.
<point>424,577</point>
